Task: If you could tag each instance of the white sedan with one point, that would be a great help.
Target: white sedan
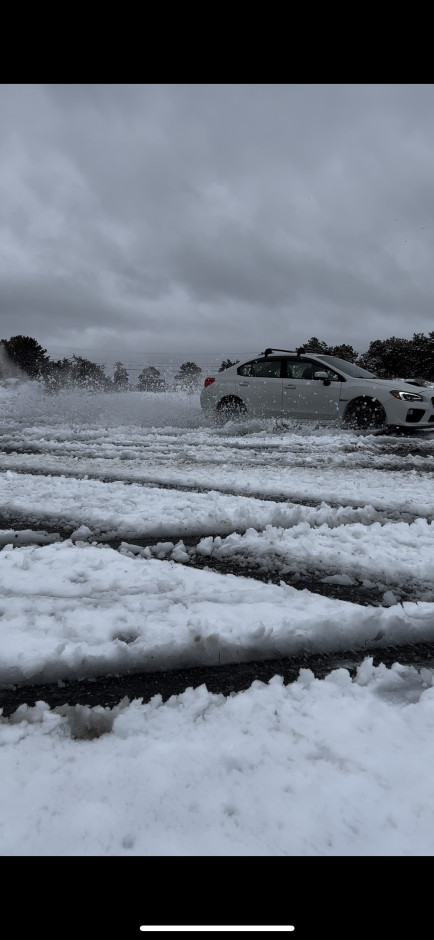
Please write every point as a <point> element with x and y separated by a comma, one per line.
<point>296,384</point>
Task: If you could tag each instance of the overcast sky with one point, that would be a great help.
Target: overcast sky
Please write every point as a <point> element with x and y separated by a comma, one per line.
<point>141,221</point>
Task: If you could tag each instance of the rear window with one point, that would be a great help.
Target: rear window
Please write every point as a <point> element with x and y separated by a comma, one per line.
<point>262,368</point>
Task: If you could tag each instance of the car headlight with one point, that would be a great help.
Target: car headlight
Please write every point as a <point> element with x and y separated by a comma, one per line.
<point>407,396</point>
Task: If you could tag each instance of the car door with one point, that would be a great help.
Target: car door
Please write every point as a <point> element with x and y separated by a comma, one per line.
<point>306,397</point>
<point>259,385</point>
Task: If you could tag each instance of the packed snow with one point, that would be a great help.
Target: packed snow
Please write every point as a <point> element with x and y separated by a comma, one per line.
<point>109,503</point>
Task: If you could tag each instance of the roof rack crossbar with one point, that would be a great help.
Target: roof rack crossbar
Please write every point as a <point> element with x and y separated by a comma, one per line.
<point>270,349</point>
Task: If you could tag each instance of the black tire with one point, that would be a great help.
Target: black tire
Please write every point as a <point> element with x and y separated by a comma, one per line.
<point>229,409</point>
<point>365,413</point>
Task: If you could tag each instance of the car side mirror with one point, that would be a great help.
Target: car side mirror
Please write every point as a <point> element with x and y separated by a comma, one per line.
<point>323,376</point>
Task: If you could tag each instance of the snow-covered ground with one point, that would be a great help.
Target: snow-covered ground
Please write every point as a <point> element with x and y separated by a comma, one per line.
<point>337,766</point>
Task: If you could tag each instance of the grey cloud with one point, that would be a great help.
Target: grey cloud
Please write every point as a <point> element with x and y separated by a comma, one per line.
<point>215,215</point>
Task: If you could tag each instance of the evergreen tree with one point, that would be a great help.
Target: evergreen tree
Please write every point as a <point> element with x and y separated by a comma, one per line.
<point>390,358</point>
<point>344,352</point>
<point>120,377</point>
<point>423,355</point>
<point>188,376</point>
<point>87,375</point>
<point>149,380</point>
<point>56,374</point>
<point>23,353</point>
<point>227,363</point>
<point>316,345</point>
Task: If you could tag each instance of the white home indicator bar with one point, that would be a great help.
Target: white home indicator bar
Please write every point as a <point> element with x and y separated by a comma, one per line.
<point>264,929</point>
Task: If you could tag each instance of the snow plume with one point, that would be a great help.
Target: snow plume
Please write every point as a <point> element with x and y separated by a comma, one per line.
<point>8,368</point>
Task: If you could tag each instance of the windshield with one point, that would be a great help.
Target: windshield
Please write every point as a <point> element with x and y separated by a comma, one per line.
<point>341,365</point>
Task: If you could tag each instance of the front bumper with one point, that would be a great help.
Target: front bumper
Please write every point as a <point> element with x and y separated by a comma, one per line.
<point>421,415</point>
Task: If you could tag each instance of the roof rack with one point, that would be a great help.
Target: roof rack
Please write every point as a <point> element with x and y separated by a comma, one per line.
<point>299,350</point>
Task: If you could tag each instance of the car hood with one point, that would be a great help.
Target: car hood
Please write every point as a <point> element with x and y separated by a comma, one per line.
<point>396,383</point>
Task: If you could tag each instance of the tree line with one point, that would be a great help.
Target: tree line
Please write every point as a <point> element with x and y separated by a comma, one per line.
<point>388,358</point>
<point>24,356</point>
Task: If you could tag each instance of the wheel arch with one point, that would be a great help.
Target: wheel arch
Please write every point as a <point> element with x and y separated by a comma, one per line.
<point>231,399</point>
<point>370,402</point>
<point>230,405</point>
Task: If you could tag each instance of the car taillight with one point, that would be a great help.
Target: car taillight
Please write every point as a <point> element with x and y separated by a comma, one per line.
<point>208,381</point>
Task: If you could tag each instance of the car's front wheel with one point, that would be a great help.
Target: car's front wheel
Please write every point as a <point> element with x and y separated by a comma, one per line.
<point>365,413</point>
<point>230,408</point>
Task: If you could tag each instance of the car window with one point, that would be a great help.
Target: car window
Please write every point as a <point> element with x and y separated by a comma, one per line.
<point>305,369</point>
<point>348,368</point>
<point>261,368</point>
<point>299,369</point>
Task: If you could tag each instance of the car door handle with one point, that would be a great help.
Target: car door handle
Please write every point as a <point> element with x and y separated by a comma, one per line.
<point>243,383</point>
<point>290,386</point>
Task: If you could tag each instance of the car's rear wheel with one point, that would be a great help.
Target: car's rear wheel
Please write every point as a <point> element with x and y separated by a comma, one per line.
<point>230,408</point>
<point>364,413</point>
